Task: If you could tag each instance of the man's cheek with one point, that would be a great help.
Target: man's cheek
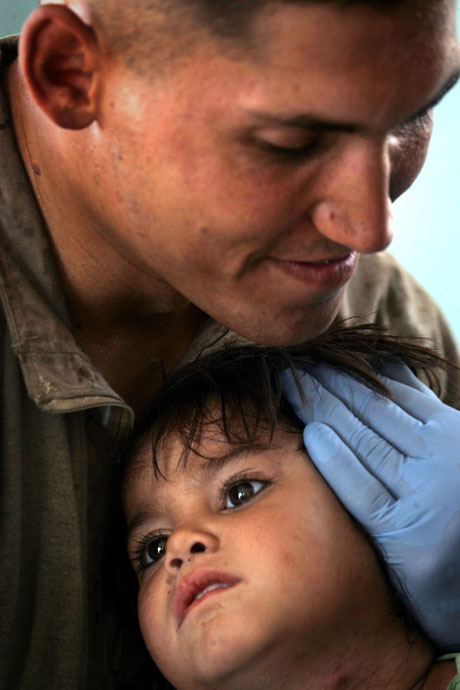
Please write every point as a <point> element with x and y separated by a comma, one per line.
<point>408,152</point>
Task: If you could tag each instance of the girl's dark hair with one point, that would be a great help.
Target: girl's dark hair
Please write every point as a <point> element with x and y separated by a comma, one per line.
<point>239,389</point>
<point>243,383</point>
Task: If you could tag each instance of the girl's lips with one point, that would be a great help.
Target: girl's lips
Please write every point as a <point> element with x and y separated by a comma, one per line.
<point>197,587</point>
<point>329,274</point>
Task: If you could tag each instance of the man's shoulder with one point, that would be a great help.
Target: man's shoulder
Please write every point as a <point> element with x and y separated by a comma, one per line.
<point>383,292</point>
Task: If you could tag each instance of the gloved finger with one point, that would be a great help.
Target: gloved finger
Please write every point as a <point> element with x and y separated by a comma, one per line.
<point>402,373</point>
<point>381,460</point>
<point>334,389</point>
<point>362,494</point>
<point>310,400</point>
<point>418,404</point>
<point>330,396</point>
<point>417,401</point>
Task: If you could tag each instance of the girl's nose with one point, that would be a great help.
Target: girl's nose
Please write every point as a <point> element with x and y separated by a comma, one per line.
<point>186,545</point>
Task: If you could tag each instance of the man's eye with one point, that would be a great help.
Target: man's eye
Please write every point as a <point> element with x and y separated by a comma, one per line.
<point>242,491</point>
<point>421,120</point>
<point>295,151</point>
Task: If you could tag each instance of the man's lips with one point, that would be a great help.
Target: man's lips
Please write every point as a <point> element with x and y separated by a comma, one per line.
<point>197,586</point>
<point>326,274</point>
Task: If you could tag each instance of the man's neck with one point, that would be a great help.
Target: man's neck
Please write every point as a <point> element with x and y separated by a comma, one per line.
<point>134,357</point>
<point>131,325</point>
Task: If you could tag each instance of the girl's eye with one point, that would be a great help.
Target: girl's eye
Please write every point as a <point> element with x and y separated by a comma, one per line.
<point>242,491</point>
<point>154,550</point>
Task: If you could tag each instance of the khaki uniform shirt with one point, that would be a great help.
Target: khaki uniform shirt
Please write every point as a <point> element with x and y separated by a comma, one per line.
<point>60,426</point>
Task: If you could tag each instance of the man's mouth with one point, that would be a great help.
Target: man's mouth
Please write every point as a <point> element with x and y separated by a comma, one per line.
<point>198,585</point>
<point>325,274</point>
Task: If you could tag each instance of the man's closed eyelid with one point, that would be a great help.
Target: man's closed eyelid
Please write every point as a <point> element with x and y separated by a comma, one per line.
<point>285,138</point>
<point>294,148</point>
<point>421,118</point>
<point>301,152</point>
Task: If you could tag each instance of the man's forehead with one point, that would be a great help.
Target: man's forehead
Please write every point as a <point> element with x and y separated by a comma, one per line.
<point>297,26</point>
<point>328,61</point>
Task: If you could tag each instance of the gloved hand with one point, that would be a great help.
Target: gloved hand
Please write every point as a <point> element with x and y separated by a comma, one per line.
<point>395,465</point>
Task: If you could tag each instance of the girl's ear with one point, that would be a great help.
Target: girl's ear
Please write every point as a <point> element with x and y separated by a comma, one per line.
<point>58,57</point>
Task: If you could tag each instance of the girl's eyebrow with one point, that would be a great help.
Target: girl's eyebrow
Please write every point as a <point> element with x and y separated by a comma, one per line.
<point>142,516</point>
<point>208,469</point>
<point>214,465</point>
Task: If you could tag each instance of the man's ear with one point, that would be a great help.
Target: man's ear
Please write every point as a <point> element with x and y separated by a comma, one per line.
<point>58,56</point>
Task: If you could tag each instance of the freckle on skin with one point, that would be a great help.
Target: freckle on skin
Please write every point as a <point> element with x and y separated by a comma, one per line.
<point>36,169</point>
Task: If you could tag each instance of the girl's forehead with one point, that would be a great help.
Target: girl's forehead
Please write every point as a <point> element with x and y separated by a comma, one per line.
<point>209,453</point>
<point>209,444</point>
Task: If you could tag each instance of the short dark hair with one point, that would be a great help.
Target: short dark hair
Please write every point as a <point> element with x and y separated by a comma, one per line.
<point>167,28</point>
<point>231,18</point>
<point>239,389</point>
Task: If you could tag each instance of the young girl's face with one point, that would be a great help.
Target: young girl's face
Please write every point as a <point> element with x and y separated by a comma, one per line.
<point>250,571</point>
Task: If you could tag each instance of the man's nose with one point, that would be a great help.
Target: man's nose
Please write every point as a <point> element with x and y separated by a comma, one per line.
<point>354,208</point>
<point>185,545</point>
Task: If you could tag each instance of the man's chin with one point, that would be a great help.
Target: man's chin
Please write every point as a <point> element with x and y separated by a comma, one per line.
<point>289,330</point>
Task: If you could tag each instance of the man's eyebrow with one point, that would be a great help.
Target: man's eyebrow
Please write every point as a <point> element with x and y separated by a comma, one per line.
<point>305,121</point>
<point>313,123</point>
<point>444,90</point>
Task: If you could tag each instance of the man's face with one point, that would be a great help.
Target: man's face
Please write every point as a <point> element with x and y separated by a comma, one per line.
<point>249,185</point>
<point>250,571</point>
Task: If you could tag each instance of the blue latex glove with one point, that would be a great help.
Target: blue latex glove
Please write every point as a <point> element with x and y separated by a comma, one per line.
<point>396,467</point>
